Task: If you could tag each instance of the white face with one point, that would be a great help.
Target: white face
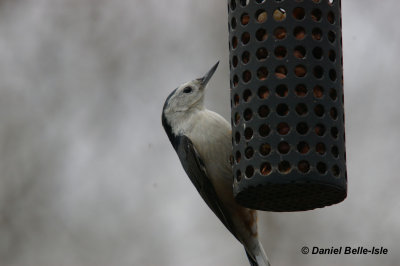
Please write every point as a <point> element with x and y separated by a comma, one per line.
<point>188,96</point>
<point>185,101</point>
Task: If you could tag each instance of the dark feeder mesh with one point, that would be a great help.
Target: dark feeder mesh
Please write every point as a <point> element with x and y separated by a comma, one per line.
<point>286,77</point>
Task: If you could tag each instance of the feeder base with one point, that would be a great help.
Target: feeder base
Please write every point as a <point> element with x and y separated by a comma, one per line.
<point>290,197</point>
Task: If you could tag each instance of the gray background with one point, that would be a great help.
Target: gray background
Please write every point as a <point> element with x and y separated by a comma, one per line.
<point>88,176</point>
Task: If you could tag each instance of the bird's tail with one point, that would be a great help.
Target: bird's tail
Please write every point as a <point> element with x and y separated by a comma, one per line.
<point>257,256</point>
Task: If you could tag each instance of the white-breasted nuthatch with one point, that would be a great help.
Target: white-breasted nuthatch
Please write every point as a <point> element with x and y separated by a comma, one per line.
<point>202,140</point>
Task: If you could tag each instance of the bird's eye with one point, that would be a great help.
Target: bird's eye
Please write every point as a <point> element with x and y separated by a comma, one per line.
<point>187,90</point>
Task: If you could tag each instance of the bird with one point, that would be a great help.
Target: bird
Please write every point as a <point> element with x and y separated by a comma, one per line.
<point>202,140</point>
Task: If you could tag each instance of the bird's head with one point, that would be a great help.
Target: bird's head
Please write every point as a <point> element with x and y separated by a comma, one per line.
<point>188,96</point>
<point>186,99</point>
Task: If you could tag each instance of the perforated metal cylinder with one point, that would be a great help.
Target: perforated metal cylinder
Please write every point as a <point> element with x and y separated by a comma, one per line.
<point>287,103</point>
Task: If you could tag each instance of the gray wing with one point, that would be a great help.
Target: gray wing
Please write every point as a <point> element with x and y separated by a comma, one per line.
<point>194,168</point>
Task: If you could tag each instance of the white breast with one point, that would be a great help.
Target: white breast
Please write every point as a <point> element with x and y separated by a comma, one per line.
<point>211,135</point>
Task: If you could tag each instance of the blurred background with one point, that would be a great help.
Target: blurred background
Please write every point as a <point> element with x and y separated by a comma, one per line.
<point>88,176</point>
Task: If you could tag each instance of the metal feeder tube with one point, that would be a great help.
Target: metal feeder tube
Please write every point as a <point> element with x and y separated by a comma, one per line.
<point>286,76</point>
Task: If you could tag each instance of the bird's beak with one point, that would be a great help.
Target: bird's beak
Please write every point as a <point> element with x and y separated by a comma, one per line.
<point>204,80</point>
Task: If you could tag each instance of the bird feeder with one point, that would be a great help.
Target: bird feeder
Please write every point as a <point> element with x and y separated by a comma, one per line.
<point>286,76</point>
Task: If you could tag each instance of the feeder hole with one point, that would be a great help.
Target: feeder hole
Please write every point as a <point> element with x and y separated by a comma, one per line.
<point>301,109</point>
<point>233,5</point>
<point>265,149</point>
<point>234,61</point>
<point>248,114</point>
<point>303,147</point>
<point>238,175</point>
<point>237,118</point>
<point>244,3</point>
<point>335,170</point>
<point>261,35</point>
<point>233,23</point>
<point>319,110</point>
<point>265,168</point>
<point>300,71</point>
<point>283,147</point>
<point>281,72</point>
<point>318,91</point>
<point>333,94</point>
<point>303,166</point>
<point>332,55</point>
<point>316,15</point>
<point>299,33</point>
<point>280,33</point>
<point>280,52</point>
<point>263,92</point>
<point>282,90</point>
<point>261,16</point>
<point>283,128</point>
<point>264,130</point>
<point>235,80</point>
<point>244,19</point>
<point>332,75</point>
<point>320,130</point>
<point>318,72</point>
<point>317,52</point>
<point>263,111</point>
<point>238,156</point>
<point>333,113</point>
<point>302,128</point>
<point>335,151</point>
<point>246,76</point>
<point>245,38</point>
<point>320,148</point>
<point>249,152</point>
<point>331,36</point>
<point>334,132</point>
<point>245,57</point>
<point>262,73</point>
<point>279,14</point>
<point>248,133</point>
<point>261,53</point>
<point>231,160</point>
<point>301,90</point>
<point>299,52</point>
<point>247,95</point>
<point>249,171</point>
<point>282,109</point>
<point>331,17</point>
<point>234,42</point>
<point>316,34</point>
<point>237,137</point>
<point>284,167</point>
<point>299,13</point>
<point>236,99</point>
